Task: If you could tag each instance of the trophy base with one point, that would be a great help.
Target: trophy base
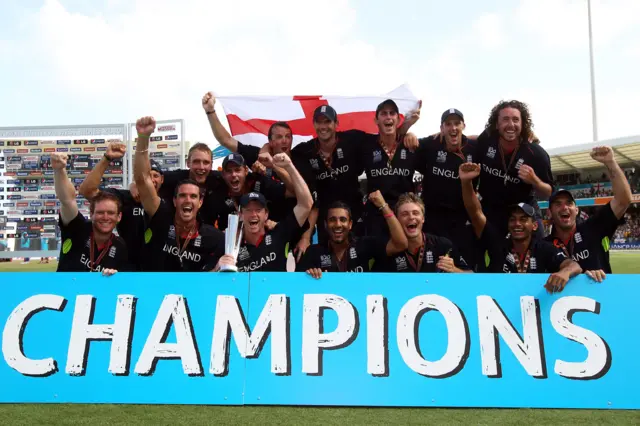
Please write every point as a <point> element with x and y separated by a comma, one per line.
<point>228,268</point>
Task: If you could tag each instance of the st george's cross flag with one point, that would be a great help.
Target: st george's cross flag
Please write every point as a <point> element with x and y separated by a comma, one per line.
<point>250,117</point>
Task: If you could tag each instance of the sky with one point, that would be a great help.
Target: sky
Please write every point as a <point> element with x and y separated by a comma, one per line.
<point>69,62</point>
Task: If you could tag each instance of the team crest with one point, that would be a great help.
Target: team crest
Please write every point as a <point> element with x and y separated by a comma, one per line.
<point>491,152</point>
<point>442,157</point>
<point>112,252</point>
<point>519,163</point>
<point>401,263</point>
<point>256,187</point>
<point>532,264</point>
<point>325,261</point>
<point>578,237</point>
<point>314,163</point>
<point>511,259</point>
<point>469,159</point>
<point>172,232</point>
<point>229,202</point>
<point>197,241</point>
<point>429,256</point>
<point>267,240</point>
<point>352,253</point>
<point>377,156</point>
<point>403,154</point>
<point>339,153</point>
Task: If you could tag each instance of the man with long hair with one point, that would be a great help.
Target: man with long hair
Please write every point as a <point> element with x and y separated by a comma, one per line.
<point>87,246</point>
<point>588,242</point>
<point>514,170</point>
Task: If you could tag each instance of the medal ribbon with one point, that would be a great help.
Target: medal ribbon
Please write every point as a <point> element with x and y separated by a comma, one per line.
<point>186,242</point>
<point>104,251</point>
<point>568,251</point>
<point>340,263</point>
<point>504,163</point>
<point>390,154</point>
<point>417,267</point>
<point>329,159</point>
<point>522,267</point>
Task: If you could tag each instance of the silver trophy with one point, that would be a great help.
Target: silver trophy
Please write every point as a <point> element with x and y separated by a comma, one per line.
<point>232,240</point>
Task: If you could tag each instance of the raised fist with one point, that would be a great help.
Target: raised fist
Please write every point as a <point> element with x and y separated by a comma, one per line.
<point>527,174</point>
<point>469,171</point>
<point>266,159</point>
<point>414,115</point>
<point>259,168</point>
<point>145,126</point>
<point>377,199</point>
<point>602,154</point>
<point>208,102</point>
<point>281,160</point>
<point>59,161</point>
<point>116,150</point>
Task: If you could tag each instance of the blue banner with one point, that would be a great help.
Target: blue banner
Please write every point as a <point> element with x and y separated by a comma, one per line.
<point>453,340</point>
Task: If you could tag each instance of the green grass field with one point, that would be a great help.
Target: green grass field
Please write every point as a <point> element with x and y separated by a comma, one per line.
<point>81,414</point>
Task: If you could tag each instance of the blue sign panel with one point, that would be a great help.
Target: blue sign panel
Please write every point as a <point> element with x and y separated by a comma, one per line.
<point>53,353</point>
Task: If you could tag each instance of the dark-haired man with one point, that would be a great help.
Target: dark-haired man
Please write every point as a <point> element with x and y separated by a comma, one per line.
<point>520,253</point>
<point>176,240</point>
<point>134,221</point>
<point>263,249</point>
<point>438,160</point>
<point>588,242</point>
<point>87,246</point>
<point>514,170</point>
<point>346,254</point>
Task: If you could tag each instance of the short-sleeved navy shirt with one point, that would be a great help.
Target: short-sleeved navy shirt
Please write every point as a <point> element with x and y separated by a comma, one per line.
<point>589,245</point>
<point>75,253</point>
<point>358,257</point>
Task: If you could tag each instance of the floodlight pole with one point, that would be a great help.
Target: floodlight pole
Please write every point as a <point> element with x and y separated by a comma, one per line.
<point>594,114</point>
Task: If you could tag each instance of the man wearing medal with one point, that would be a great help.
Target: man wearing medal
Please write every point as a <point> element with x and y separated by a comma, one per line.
<point>176,240</point>
<point>588,242</point>
<point>438,160</point>
<point>514,170</point>
<point>263,249</point>
<point>425,252</point>
<point>389,161</point>
<point>346,254</point>
<point>87,246</point>
<point>521,252</point>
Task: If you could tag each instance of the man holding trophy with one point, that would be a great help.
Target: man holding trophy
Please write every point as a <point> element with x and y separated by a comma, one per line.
<point>250,246</point>
<point>174,241</point>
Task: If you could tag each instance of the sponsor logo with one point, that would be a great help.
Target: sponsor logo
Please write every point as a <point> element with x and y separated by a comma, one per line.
<point>174,145</point>
<point>50,149</point>
<point>161,145</point>
<point>167,128</point>
<point>325,261</point>
<point>63,142</point>
<point>46,142</point>
<point>314,163</point>
<point>80,142</point>
<point>89,148</point>
<point>96,141</point>
<point>155,138</point>
<point>22,204</point>
<point>171,138</point>
<point>101,148</point>
<point>401,263</point>
<point>62,149</point>
<point>31,143</point>
<point>76,149</point>
<point>9,151</point>
<point>491,152</point>
<point>442,157</point>
<point>23,151</point>
<point>377,156</point>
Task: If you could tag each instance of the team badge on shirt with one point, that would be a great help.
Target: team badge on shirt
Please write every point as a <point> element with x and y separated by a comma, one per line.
<point>112,252</point>
<point>377,156</point>
<point>578,237</point>
<point>401,263</point>
<point>403,154</point>
<point>491,152</point>
<point>442,157</point>
<point>197,241</point>
<point>229,202</point>
<point>243,253</point>
<point>429,256</point>
<point>267,240</point>
<point>256,187</point>
<point>340,153</point>
<point>352,253</point>
<point>314,163</point>
<point>511,259</point>
<point>532,264</point>
<point>325,261</point>
<point>172,232</point>
<point>469,159</point>
<point>519,163</point>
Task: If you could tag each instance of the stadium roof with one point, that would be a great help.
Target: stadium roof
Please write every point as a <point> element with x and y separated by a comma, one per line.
<point>576,158</point>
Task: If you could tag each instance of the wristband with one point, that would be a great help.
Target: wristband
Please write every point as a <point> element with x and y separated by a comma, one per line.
<point>383,206</point>
<point>109,159</point>
<point>388,215</point>
<point>211,112</point>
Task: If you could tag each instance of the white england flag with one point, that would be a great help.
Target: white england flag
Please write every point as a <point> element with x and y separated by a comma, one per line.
<point>250,117</point>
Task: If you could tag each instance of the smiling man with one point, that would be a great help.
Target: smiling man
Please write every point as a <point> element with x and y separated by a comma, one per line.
<point>425,252</point>
<point>520,253</point>
<point>87,246</point>
<point>262,249</point>
<point>588,242</point>
<point>176,240</point>
<point>438,160</point>
<point>343,252</point>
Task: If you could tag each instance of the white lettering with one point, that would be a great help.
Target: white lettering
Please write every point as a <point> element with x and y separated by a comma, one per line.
<point>500,174</point>
<point>377,345</point>
<point>13,333</point>
<point>598,354</point>
<point>389,172</point>
<point>443,172</point>
<point>407,336</point>
<point>188,255</point>
<point>172,311</point>
<point>333,173</point>
<point>138,211</point>
<point>257,264</point>
<point>492,320</point>
<point>82,332</point>
<point>314,340</point>
<point>583,255</point>
<point>274,317</point>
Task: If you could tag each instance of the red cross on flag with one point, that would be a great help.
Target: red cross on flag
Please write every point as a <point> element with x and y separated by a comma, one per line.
<point>250,117</point>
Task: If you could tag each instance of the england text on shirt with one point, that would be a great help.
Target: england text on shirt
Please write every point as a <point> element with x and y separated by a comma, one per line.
<point>270,253</point>
<point>132,226</point>
<point>589,245</point>
<point>359,256</point>
<point>169,252</point>
<point>75,253</point>
<point>425,258</point>
<point>542,256</point>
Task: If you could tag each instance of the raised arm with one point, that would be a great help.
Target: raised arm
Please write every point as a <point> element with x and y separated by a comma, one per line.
<point>468,172</point>
<point>219,132</point>
<point>65,192</point>
<point>267,161</point>
<point>411,118</point>
<point>303,195</point>
<point>621,190</point>
<point>150,200</point>
<point>89,187</point>
<point>398,241</point>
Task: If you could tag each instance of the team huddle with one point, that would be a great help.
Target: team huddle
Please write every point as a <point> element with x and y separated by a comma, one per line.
<point>475,209</point>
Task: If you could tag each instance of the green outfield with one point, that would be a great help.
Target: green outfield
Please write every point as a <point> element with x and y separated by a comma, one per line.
<point>56,414</point>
